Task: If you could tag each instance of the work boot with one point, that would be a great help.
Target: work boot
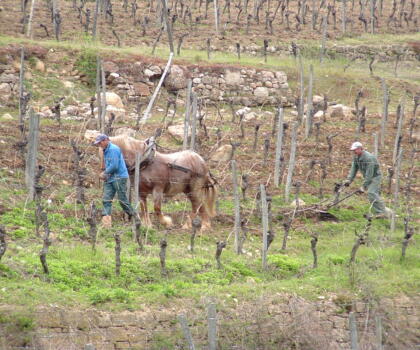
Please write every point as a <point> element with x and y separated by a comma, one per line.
<point>106,221</point>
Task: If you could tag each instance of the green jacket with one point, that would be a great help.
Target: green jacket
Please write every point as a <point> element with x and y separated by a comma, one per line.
<point>368,166</point>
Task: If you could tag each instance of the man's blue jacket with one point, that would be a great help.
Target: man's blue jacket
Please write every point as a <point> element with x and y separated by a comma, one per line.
<point>115,166</point>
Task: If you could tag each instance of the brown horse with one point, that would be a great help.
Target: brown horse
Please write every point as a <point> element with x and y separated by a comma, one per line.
<point>167,175</point>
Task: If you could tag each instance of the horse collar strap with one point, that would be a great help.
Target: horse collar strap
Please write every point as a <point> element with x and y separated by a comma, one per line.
<point>178,167</point>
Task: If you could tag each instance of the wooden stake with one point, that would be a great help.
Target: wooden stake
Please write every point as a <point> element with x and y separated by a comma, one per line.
<point>237,225</point>
<point>31,159</point>
<point>187,115</point>
<point>279,146</point>
<point>264,225</point>
<point>291,162</point>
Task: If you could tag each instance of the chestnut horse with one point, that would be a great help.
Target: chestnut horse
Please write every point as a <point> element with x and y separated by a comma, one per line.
<point>167,175</point>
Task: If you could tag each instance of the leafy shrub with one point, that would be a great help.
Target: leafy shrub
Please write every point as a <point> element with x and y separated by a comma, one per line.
<point>86,64</point>
<point>284,263</point>
<point>336,259</point>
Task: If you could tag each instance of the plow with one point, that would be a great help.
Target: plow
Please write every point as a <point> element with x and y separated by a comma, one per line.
<point>321,209</point>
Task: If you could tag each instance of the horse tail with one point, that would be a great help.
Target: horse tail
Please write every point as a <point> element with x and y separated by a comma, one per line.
<point>210,193</point>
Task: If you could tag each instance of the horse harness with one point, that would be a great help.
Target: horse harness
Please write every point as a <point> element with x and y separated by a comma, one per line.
<point>149,157</point>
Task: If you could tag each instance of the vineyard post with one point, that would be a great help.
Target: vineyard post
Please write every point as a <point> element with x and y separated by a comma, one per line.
<point>212,324</point>
<point>103,99</point>
<point>291,162</point>
<point>155,93</point>
<point>168,26</point>
<point>378,327</point>
<point>353,332</point>
<point>279,145</point>
<point>95,19</point>
<point>344,16</point>
<point>264,210</point>
<point>136,192</point>
<point>385,112</point>
<point>194,121</point>
<point>29,33</point>
<point>187,115</point>
<point>98,92</point>
<point>309,108</point>
<point>33,141</point>
<point>324,38</point>
<point>396,188</point>
<point>397,142</point>
<point>375,144</point>
<point>237,227</point>
<point>22,104</point>
<point>302,88</point>
<point>186,330</point>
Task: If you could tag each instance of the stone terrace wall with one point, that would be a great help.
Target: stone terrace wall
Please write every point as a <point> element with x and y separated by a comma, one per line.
<point>271,323</point>
<point>247,87</point>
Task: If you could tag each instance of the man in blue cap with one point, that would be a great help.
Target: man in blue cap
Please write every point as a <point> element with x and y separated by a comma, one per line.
<point>115,177</point>
<point>368,165</point>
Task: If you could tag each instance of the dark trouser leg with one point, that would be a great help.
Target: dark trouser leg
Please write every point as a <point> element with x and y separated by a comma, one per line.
<point>109,193</point>
<point>121,187</point>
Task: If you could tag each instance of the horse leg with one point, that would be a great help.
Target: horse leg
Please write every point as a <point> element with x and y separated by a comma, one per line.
<point>157,198</point>
<point>198,208</point>
<point>145,218</point>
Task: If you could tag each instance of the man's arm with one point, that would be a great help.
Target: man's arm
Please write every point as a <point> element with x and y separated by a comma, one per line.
<point>353,171</point>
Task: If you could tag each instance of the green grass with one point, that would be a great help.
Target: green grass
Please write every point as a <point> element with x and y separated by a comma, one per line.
<point>80,275</point>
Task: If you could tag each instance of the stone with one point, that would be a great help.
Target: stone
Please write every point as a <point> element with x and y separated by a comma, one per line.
<point>7,116</point>
<point>117,334</point>
<point>261,94</point>
<point>241,112</point>
<point>251,116</point>
<point>176,79</point>
<point>110,67</point>
<point>126,131</point>
<point>206,80</point>
<point>267,74</point>
<point>176,131</point>
<point>232,78</point>
<point>148,73</point>
<point>197,81</point>
<point>299,201</point>
<point>90,135</point>
<point>318,115</point>
<point>68,84</point>
<point>5,88</point>
<point>72,110</point>
<point>141,89</point>
<point>40,66</point>
<point>222,154</point>
<point>337,111</point>
<point>9,78</point>
<point>156,69</point>
<point>112,77</point>
<point>281,77</point>
<point>114,100</point>
<point>268,84</point>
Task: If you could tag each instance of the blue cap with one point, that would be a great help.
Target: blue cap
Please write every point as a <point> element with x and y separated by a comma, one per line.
<point>100,137</point>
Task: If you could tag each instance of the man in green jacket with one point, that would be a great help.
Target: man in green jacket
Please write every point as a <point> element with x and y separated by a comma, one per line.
<point>369,167</point>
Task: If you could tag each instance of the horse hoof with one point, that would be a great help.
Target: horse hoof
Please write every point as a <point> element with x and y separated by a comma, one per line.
<point>186,226</point>
<point>206,226</point>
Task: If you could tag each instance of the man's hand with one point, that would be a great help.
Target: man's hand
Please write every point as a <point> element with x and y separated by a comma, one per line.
<point>362,189</point>
<point>103,176</point>
<point>346,183</point>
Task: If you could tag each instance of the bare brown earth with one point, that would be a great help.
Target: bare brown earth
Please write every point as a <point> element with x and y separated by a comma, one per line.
<point>233,30</point>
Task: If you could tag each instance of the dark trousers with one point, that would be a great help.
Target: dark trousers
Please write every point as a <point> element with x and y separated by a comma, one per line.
<point>119,186</point>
